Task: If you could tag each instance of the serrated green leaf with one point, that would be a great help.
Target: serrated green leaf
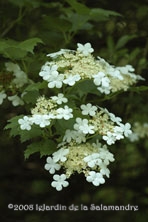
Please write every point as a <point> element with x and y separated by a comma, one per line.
<point>31,96</point>
<point>29,44</point>
<point>62,125</point>
<point>9,49</point>
<point>26,135</point>
<point>17,50</point>
<point>44,147</point>
<point>13,126</point>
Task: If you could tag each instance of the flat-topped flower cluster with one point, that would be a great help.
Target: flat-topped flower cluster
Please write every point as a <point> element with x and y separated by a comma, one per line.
<point>90,159</point>
<point>45,111</point>
<point>97,122</point>
<point>70,66</point>
<point>11,82</point>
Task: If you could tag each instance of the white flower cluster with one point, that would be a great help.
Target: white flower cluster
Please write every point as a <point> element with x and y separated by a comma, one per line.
<point>77,151</point>
<point>140,130</point>
<point>45,111</point>
<point>69,66</point>
<point>13,79</point>
<point>75,154</point>
<point>90,159</point>
<point>102,123</point>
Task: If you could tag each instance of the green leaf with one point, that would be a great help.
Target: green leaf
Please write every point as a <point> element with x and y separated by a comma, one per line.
<point>31,96</point>
<point>110,44</point>
<point>99,14</point>
<point>13,126</point>
<point>79,22</point>
<point>26,135</point>
<point>17,50</point>
<point>36,86</point>
<point>134,54</point>
<point>13,52</point>
<point>29,44</point>
<point>62,125</point>
<point>138,88</point>
<point>5,43</point>
<point>83,88</point>
<point>78,7</point>
<point>44,147</point>
<point>124,40</point>
<point>55,23</point>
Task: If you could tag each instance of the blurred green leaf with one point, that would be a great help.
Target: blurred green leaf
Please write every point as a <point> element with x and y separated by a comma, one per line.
<point>124,40</point>
<point>134,54</point>
<point>110,44</point>
<point>55,23</point>
<point>79,7</point>
<point>78,22</point>
<point>138,88</point>
<point>99,14</point>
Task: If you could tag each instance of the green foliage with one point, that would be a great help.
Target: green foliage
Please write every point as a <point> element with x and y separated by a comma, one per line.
<point>18,50</point>
<point>44,147</point>
<point>124,40</point>
<point>13,126</point>
<point>118,33</point>
<point>24,134</point>
<point>99,14</point>
<point>82,88</point>
<point>139,88</point>
<point>31,96</point>
<point>79,7</point>
<point>22,3</point>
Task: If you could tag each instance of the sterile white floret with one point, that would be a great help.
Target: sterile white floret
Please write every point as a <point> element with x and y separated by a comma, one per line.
<point>86,49</point>
<point>51,166</point>
<point>88,109</point>
<point>60,155</point>
<point>59,182</point>
<point>95,178</point>
<point>25,123</point>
